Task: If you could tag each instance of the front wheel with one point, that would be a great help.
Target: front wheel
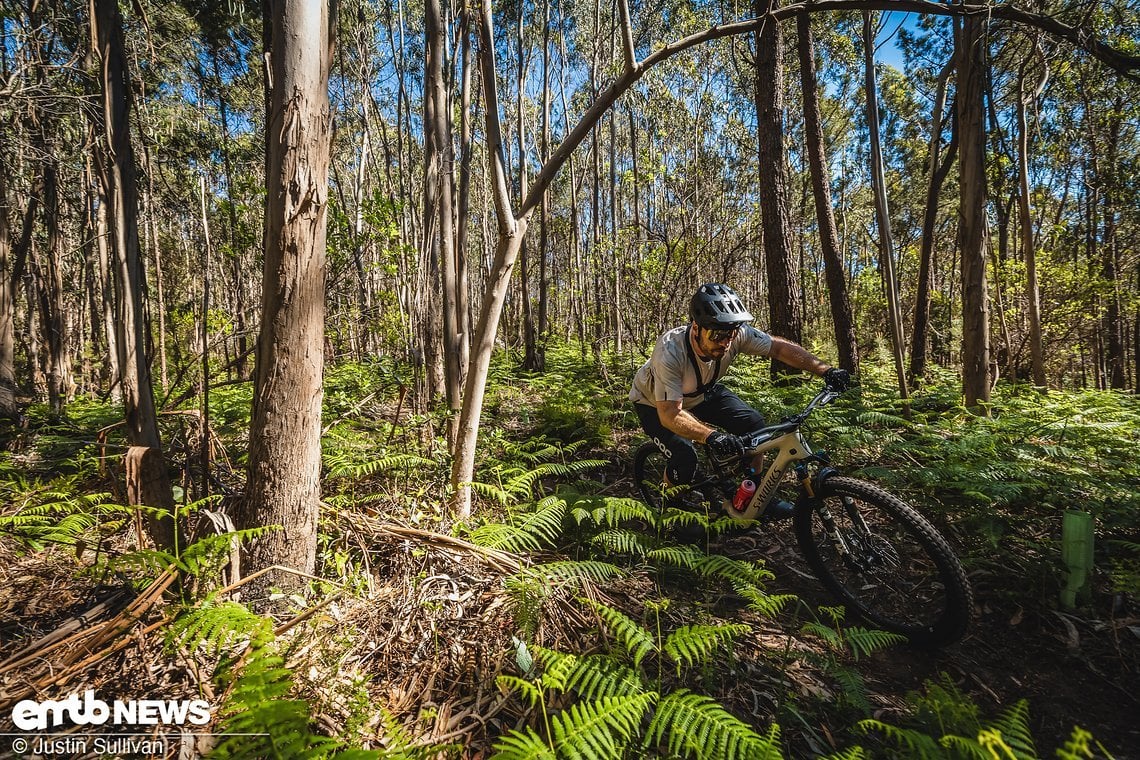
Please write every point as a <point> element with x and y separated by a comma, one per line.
<point>884,561</point>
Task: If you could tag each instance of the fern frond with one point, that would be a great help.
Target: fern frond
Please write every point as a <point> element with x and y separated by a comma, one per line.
<point>218,626</point>
<point>619,541</point>
<point>532,532</point>
<point>399,744</point>
<point>731,570</point>
<point>524,688</point>
<point>694,725</point>
<point>490,491</point>
<point>359,471</point>
<point>599,730</point>
<point>917,744</point>
<point>693,644</point>
<point>865,641</point>
<point>213,548</point>
<point>595,676</point>
<point>855,753</point>
<point>1077,746</point>
<point>608,511</point>
<point>565,570</point>
<point>1013,728</point>
<point>769,605</point>
<point>522,486</point>
<point>637,641</point>
<point>685,557</point>
<point>522,745</point>
<point>830,636</point>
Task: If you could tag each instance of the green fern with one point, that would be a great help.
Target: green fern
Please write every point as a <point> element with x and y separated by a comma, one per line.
<point>768,605</point>
<point>692,645</point>
<point>693,725</point>
<point>530,532</point>
<point>218,626</point>
<point>569,570</point>
<point>606,511</point>
<point>866,641</point>
<point>917,744</point>
<point>600,729</point>
<point>1009,734</point>
<point>593,676</point>
<point>621,542</point>
<point>259,722</point>
<point>340,467</point>
<point>522,745</point>
<point>637,641</point>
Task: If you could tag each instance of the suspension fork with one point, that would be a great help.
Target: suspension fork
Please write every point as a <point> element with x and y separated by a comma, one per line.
<point>810,488</point>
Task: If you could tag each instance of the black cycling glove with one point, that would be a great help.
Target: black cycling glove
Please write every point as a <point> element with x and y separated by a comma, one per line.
<point>725,445</point>
<point>837,379</point>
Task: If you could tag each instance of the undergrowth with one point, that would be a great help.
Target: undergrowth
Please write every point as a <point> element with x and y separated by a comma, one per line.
<point>550,487</point>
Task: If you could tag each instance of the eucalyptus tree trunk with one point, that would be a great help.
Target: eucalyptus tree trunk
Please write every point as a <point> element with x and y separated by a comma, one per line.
<point>544,212</point>
<point>1113,324</point>
<point>882,214</point>
<point>148,480</point>
<point>285,447</point>
<point>835,272</point>
<point>532,360</point>
<point>462,286</point>
<point>937,171</point>
<point>972,242</point>
<point>49,287</point>
<point>13,263</point>
<point>236,249</point>
<point>785,317</point>
<point>1025,210</point>
<point>439,156</point>
<point>427,311</point>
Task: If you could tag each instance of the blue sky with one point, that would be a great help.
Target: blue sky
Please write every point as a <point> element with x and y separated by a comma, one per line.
<point>888,50</point>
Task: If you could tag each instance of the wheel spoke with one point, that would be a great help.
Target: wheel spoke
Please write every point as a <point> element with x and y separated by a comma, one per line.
<point>885,561</point>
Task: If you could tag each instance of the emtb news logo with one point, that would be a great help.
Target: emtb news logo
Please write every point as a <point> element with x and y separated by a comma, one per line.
<point>30,715</point>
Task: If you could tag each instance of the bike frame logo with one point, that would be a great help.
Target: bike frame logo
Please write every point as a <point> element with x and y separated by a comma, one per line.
<point>30,715</point>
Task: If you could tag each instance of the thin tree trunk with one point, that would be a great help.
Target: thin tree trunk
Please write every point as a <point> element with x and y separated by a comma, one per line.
<point>1028,248</point>
<point>462,304</point>
<point>150,484</point>
<point>972,222</point>
<point>937,172</point>
<point>882,214</point>
<point>825,217</point>
<point>785,318</point>
<point>284,450</point>
<point>49,275</point>
<point>440,156</point>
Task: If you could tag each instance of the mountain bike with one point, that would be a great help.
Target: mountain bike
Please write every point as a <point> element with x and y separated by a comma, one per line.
<point>878,555</point>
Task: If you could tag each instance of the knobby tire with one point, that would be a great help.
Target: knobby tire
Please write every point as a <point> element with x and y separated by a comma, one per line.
<point>901,575</point>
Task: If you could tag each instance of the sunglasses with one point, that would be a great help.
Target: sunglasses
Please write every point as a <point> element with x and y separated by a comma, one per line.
<point>721,336</point>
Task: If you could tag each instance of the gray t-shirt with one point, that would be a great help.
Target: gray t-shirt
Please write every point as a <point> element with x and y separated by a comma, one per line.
<point>669,375</point>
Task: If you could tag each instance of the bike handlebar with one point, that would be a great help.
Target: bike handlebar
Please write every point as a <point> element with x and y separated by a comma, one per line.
<point>825,396</point>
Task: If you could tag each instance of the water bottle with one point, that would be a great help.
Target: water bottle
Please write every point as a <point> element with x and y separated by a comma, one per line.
<point>743,494</point>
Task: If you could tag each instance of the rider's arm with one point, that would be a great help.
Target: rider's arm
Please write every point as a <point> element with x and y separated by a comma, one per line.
<point>797,356</point>
<point>681,422</point>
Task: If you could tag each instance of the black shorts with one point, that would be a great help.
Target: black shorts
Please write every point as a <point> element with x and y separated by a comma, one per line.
<point>721,408</point>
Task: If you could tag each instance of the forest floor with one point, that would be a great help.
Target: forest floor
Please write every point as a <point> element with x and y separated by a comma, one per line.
<point>433,628</point>
<point>420,623</point>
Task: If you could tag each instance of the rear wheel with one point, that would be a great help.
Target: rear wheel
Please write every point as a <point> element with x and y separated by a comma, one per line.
<point>885,562</point>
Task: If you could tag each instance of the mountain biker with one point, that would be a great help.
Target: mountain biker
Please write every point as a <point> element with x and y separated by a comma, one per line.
<point>679,400</point>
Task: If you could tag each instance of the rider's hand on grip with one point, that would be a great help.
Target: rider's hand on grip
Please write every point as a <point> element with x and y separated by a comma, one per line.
<point>838,379</point>
<point>725,445</point>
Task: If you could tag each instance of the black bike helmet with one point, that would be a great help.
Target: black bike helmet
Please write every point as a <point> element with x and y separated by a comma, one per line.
<point>717,307</point>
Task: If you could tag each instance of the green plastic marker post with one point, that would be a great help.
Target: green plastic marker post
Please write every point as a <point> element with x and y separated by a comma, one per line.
<point>1077,554</point>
